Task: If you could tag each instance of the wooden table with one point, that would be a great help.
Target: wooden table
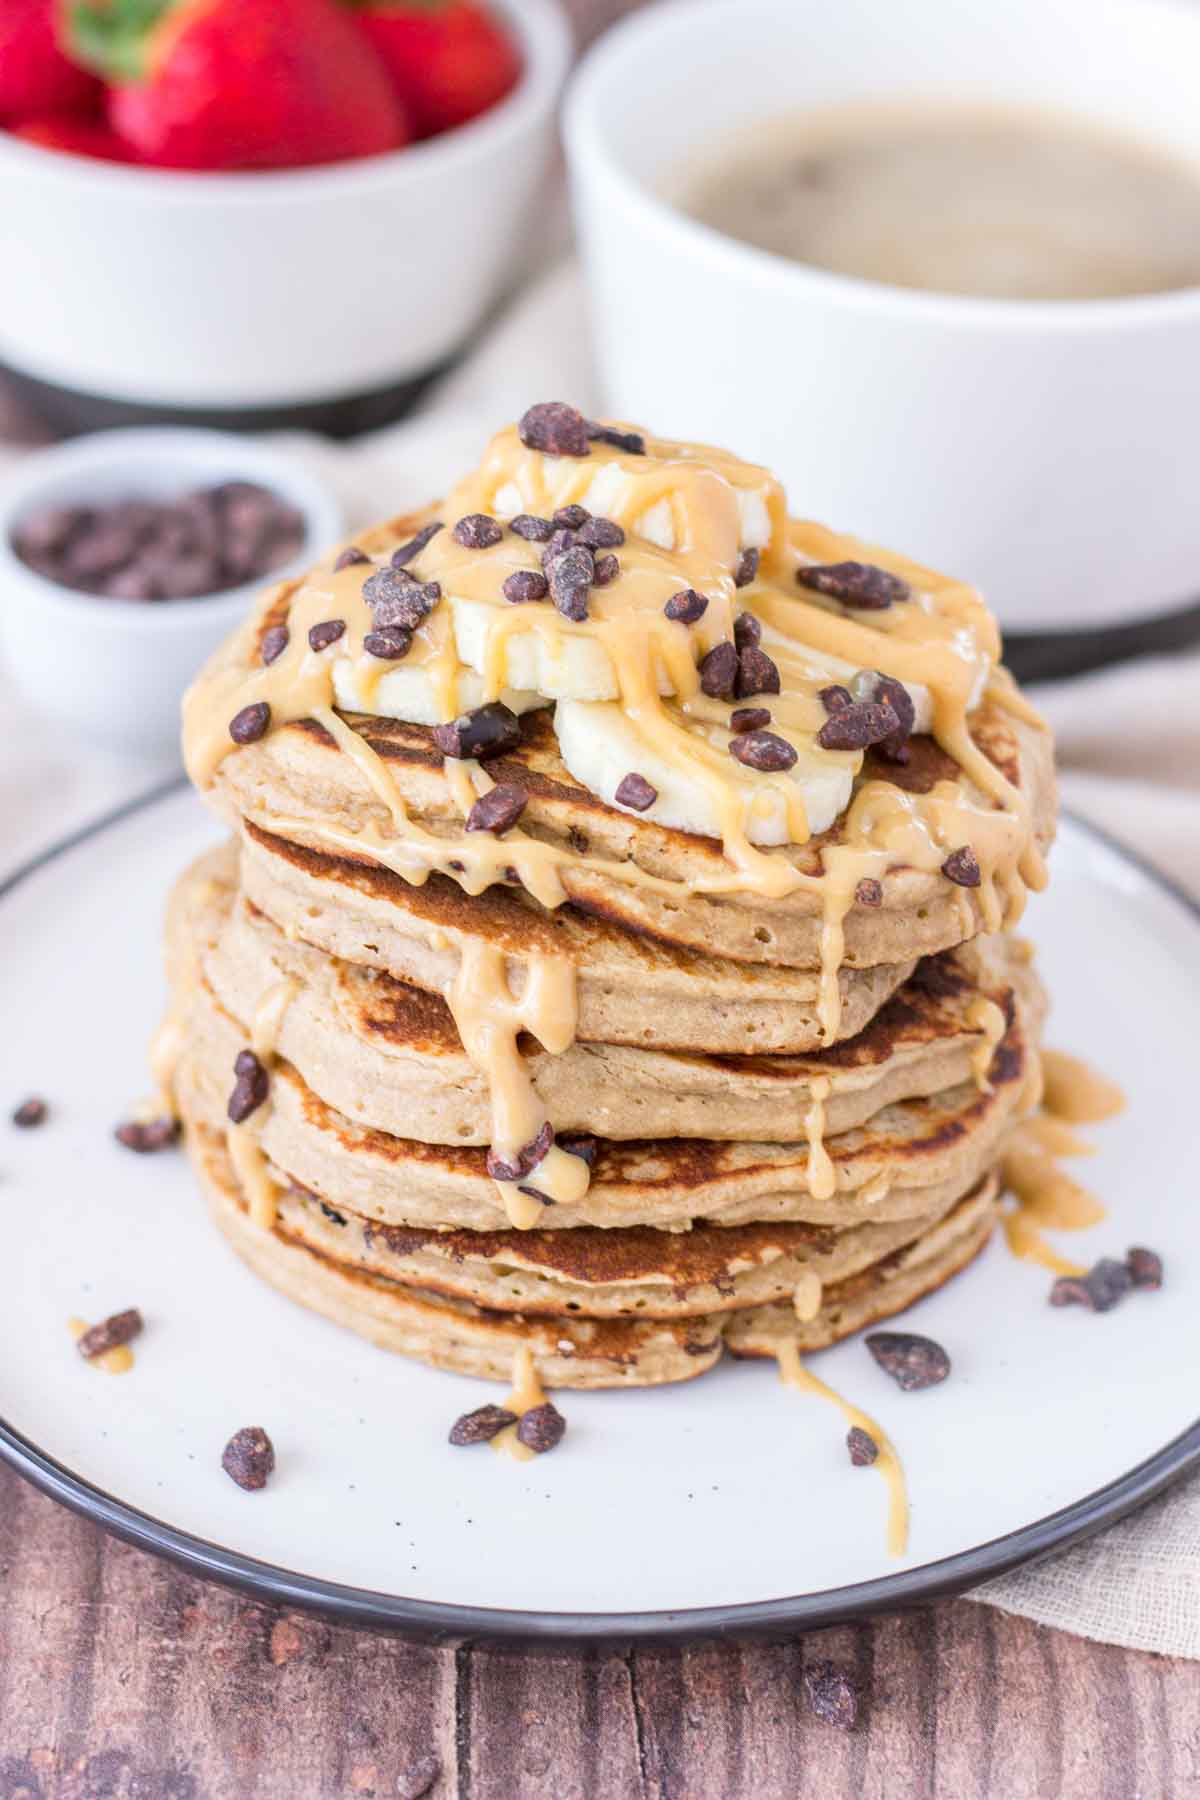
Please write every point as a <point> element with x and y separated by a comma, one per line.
<point>121,1679</point>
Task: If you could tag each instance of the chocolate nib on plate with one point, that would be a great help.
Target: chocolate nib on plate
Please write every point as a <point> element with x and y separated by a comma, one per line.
<point>1104,1286</point>
<point>480,1426</point>
<point>862,1447</point>
<point>1145,1266</point>
<point>121,1328</point>
<point>555,428</point>
<point>857,584</point>
<point>498,809</point>
<point>541,1428</point>
<point>146,1135</point>
<point>31,1112</point>
<point>912,1362</point>
<point>249,1458</point>
<point>485,732</point>
<point>833,1694</point>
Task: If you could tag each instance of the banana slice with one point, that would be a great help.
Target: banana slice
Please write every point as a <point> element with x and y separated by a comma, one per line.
<point>410,693</point>
<point>608,496</point>
<point>601,745</point>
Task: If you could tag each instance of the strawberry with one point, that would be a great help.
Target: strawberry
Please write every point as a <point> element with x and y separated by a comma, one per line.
<point>449,59</point>
<point>238,84</point>
<point>80,137</point>
<point>35,76</point>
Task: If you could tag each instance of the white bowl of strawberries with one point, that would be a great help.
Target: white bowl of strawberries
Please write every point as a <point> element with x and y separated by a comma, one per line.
<point>262,210</point>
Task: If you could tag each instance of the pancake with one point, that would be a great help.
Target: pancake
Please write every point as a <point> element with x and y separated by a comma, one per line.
<point>573,1352</point>
<point>631,989</point>
<point>297,783</point>
<point>910,1157</point>
<point>387,1055</point>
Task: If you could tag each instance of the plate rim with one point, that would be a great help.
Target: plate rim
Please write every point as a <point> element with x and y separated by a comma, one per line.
<point>442,1620</point>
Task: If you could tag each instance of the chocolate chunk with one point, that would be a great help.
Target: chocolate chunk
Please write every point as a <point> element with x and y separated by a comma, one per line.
<point>835,698</point>
<point>570,518</point>
<point>600,534</point>
<point>250,1088</point>
<point>857,584</point>
<point>482,1425</point>
<point>862,1447</point>
<point>407,552</point>
<point>478,531</point>
<point>833,1694</point>
<point>558,543</point>
<point>718,671</point>
<point>531,528</point>
<point>857,726</point>
<point>749,718</point>
<point>747,568</point>
<point>253,722</point>
<point>330,1212</point>
<point>747,631</point>
<point>349,556</point>
<point>249,1458</point>
<point>632,442</point>
<point>147,1135</point>
<point>607,569</point>
<point>498,809</point>
<point>912,1362</point>
<point>554,428</point>
<point>570,577</point>
<point>396,599</point>
<point>896,695</point>
<point>962,867</point>
<point>525,585</point>
<point>635,792</point>
<point>1145,1267</point>
<point>757,674</point>
<point>578,1144</point>
<point>1104,1286</point>
<point>869,892</point>
<point>527,1160</point>
<point>31,1112</point>
<point>686,606</point>
<point>763,750</point>
<point>388,646</point>
<point>541,1428</point>
<point>120,1329</point>
<point>327,632</point>
<point>485,732</point>
<point>274,643</point>
<point>416,1778</point>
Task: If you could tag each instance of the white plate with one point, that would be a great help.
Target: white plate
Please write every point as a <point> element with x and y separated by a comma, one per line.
<point>728,1503</point>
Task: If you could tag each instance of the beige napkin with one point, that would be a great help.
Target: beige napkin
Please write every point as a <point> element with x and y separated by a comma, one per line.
<point>1129,750</point>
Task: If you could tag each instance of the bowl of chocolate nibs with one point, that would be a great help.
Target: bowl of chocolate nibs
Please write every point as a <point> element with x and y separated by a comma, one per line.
<point>127,556</point>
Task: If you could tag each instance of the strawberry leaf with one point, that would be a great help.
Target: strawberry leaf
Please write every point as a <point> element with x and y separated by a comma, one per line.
<point>113,37</point>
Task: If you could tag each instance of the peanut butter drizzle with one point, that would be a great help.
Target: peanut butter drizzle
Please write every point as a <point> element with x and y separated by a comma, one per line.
<point>117,1361</point>
<point>692,497</point>
<point>807,1296</point>
<point>793,1371</point>
<point>1045,1196</point>
<point>820,1172</point>
<point>527,1392</point>
<point>983,1015</point>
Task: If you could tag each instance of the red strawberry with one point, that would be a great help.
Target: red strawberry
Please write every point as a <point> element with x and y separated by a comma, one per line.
<point>81,137</point>
<point>450,59</point>
<point>35,76</point>
<point>239,84</point>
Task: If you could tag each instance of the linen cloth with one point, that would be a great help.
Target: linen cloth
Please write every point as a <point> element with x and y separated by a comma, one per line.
<point>1129,754</point>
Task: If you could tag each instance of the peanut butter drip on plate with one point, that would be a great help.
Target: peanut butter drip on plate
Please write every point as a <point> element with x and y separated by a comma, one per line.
<point>690,514</point>
<point>794,1373</point>
<point>1044,1196</point>
<point>117,1361</point>
<point>527,1392</point>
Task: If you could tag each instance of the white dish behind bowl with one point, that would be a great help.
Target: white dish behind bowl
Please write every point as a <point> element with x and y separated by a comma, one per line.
<point>265,290</point>
<point>114,671</point>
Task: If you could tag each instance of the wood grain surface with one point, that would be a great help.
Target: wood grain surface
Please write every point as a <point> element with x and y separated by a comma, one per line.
<point>121,1679</point>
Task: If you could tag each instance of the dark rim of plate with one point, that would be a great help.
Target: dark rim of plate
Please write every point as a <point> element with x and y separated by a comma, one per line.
<point>761,1619</point>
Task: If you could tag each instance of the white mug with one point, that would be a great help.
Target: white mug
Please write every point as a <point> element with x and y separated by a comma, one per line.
<point>1043,449</point>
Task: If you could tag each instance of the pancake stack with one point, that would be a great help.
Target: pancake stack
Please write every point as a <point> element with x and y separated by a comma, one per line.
<point>613,958</point>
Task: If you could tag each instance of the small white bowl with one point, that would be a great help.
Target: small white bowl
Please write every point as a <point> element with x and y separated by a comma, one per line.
<point>114,671</point>
<point>261,291</point>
